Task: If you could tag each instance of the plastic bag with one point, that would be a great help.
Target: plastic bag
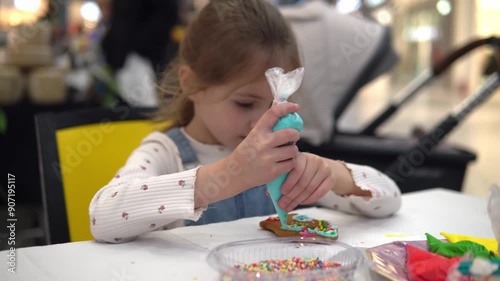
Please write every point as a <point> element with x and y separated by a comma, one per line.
<point>425,266</point>
<point>283,86</point>
<point>136,82</point>
<point>473,269</point>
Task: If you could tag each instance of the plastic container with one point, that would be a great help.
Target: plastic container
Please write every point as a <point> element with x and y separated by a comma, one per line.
<point>224,258</point>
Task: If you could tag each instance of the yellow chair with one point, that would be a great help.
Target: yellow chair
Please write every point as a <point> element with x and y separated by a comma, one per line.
<point>79,152</point>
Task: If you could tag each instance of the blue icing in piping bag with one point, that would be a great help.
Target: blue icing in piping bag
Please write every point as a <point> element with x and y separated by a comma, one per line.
<point>294,121</point>
<point>283,86</point>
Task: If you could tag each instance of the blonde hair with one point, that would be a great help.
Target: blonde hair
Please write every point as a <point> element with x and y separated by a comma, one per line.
<point>219,45</point>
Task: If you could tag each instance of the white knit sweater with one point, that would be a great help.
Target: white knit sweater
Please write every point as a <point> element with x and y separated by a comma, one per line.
<point>154,189</point>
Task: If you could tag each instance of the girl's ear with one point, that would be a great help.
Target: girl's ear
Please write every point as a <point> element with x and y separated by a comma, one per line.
<point>187,82</point>
<point>185,75</point>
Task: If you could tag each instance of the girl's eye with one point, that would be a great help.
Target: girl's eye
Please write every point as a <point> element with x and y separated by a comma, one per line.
<point>244,104</point>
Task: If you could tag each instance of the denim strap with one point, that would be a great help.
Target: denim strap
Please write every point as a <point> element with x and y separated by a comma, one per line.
<point>188,155</point>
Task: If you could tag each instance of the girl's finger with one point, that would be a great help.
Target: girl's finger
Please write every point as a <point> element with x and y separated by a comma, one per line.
<point>273,114</point>
<point>313,185</point>
<point>283,153</point>
<point>293,177</point>
<point>306,192</point>
<point>323,175</point>
<point>291,181</point>
<point>322,189</point>
<point>297,189</point>
<point>283,167</point>
<point>284,136</point>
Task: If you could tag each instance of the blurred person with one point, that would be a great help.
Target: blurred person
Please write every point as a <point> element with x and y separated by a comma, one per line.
<point>135,45</point>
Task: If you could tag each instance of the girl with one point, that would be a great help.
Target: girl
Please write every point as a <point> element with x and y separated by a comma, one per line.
<point>213,164</point>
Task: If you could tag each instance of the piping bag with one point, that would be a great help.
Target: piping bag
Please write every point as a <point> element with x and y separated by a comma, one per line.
<point>283,85</point>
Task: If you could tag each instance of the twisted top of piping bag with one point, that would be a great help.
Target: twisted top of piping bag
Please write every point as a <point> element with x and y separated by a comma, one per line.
<point>283,85</point>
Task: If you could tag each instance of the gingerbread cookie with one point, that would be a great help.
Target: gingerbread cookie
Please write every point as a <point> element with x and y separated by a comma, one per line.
<point>301,225</point>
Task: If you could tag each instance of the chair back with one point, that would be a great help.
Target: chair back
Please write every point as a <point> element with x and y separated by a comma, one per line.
<point>79,152</point>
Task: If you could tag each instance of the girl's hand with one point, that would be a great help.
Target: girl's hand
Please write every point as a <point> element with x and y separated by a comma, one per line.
<point>310,180</point>
<point>262,155</point>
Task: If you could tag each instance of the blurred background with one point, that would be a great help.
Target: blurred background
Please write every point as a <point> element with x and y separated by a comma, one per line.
<point>58,55</point>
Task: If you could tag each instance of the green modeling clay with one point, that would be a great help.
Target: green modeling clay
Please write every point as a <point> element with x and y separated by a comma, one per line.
<point>283,86</point>
<point>457,249</point>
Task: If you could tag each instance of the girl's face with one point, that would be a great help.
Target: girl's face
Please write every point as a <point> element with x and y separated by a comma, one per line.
<point>225,114</point>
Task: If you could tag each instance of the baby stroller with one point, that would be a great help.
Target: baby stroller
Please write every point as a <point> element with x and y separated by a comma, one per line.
<point>341,64</point>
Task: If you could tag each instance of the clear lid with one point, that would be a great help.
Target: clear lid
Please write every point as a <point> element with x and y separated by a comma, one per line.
<point>230,258</point>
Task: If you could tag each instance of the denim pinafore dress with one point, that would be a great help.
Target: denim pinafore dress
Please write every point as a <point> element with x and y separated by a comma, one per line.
<point>253,202</point>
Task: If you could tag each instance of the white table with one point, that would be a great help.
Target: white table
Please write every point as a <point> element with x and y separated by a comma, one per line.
<point>179,254</point>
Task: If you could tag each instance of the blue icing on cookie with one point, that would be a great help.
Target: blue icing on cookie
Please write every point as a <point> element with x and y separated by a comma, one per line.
<point>329,233</point>
<point>302,218</point>
<point>300,225</point>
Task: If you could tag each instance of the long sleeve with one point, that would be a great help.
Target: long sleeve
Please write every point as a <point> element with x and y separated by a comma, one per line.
<point>385,200</point>
<point>150,191</point>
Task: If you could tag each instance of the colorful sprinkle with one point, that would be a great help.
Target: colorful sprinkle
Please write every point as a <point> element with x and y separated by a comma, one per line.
<point>305,229</point>
<point>296,268</point>
<point>288,265</point>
